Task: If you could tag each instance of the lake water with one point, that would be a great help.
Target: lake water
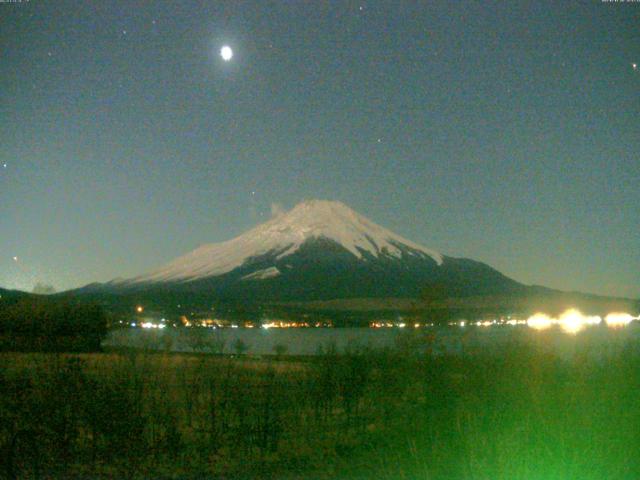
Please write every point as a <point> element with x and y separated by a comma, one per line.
<point>595,340</point>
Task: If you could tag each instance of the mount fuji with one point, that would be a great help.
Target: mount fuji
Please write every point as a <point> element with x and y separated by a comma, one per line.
<point>286,235</point>
<point>319,250</point>
<point>322,256</point>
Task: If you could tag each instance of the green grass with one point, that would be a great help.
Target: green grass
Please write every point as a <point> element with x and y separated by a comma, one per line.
<point>522,413</point>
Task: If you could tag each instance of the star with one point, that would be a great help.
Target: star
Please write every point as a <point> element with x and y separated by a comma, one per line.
<point>4,165</point>
<point>15,259</point>
<point>634,66</point>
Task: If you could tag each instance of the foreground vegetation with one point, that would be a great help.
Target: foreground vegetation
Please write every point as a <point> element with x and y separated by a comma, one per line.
<point>44,324</point>
<point>521,414</point>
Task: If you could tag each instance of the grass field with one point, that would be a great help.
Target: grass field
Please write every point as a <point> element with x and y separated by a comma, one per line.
<point>521,414</point>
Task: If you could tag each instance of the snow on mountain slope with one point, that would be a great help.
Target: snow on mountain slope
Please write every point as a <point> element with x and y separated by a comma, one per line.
<point>283,235</point>
<point>262,274</point>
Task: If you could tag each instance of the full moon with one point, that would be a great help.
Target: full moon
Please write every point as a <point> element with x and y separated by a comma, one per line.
<point>226,53</point>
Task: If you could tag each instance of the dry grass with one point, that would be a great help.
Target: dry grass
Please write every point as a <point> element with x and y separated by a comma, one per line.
<point>520,414</point>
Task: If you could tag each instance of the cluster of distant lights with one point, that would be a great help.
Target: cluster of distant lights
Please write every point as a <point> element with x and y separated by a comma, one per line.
<point>286,324</point>
<point>148,325</point>
<point>159,326</point>
<point>571,321</point>
<point>151,325</point>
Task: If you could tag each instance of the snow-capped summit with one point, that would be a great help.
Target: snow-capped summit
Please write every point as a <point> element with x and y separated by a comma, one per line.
<point>322,259</point>
<point>284,235</point>
<point>318,250</point>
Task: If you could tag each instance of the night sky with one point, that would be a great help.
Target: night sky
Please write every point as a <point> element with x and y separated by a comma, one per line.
<point>506,132</point>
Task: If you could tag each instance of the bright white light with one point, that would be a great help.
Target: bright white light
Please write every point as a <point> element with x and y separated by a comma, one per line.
<point>572,321</point>
<point>152,325</point>
<point>226,53</point>
<point>618,319</point>
<point>539,321</point>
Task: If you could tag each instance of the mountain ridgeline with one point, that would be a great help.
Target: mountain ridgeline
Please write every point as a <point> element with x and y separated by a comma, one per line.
<point>318,251</point>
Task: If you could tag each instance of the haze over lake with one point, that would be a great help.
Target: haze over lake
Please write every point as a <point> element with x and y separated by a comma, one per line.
<point>310,341</point>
